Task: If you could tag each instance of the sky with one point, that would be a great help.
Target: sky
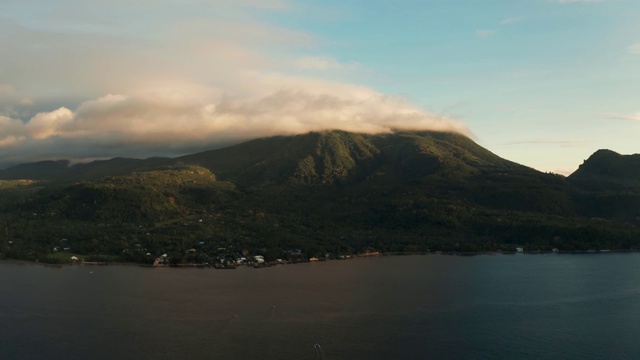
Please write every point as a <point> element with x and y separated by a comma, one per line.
<point>544,83</point>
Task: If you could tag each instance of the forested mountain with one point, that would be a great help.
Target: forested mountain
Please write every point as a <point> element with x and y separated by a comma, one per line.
<point>330,192</point>
<point>609,184</point>
<point>606,168</point>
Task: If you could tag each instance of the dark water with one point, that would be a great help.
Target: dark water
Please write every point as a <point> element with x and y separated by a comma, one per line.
<point>413,307</point>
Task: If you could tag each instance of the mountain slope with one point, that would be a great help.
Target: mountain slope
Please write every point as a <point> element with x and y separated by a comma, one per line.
<point>66,171</point>
<point>303,159</point>
<point>313,158</point>
<point>321,192</point>
<point>430,163</point>
<point>609,186</point>
<point>337,156</point>
<point>606,168</point>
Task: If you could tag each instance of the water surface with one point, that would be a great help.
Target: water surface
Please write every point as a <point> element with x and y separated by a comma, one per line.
<point>404,307</point>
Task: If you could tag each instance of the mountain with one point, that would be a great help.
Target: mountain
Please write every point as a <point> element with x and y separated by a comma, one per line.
<point>609,185</point>
<point>65,170</point>
<point>606,168</point>
<point>312,158</point>
<point>37,171</point>
<point>319,192</point>
<point>434,162</point>
<point>338,156</point>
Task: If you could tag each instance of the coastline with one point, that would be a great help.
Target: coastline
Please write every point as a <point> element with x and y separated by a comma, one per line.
<point>314,260</point>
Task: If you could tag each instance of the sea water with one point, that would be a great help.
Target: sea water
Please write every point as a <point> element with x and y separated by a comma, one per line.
<point>552,306</point>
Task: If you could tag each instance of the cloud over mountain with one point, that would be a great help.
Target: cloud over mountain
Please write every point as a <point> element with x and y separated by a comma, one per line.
<point>170,123</point>
<point>83,83</point>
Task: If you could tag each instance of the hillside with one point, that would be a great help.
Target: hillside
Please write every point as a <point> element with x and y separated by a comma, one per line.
<point>313,158</point>
<point>63,170</point>
<point>337,156</point>
<point>609,185</point>
<point>330,192</point>
<point>606,168</point>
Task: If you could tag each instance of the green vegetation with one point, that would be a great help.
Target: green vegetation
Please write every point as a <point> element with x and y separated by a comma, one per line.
<point>305,196</point>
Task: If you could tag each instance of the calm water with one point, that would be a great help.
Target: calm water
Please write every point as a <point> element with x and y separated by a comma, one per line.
<point>413,307</point>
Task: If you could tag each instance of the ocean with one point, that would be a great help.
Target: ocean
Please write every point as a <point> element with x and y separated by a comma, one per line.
<point>552,306</point>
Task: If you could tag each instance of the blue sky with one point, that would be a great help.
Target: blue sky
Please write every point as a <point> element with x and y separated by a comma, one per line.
<point>541,82</point>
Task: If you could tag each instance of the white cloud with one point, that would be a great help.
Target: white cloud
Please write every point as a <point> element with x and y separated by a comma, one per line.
<point>511,20</point>
<point>48,124</point>
<point>11,131</point>
<point>322,63</point>
<point>187,78</point>
<point>163,123</point>
<point>218,46</point>
<point>485,32</point>
<point>630,117</point>
<point>503,22</point>
<point>634,49</point>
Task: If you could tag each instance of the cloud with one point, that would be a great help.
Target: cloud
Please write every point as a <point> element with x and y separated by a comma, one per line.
<point>107,79</point>
<point>88,55</point>
<point>322,63</point>
<point>485,32</point>
<point>8,94</point>
<point>47,124</point>
<point>630,117</point>
<point>634,49</point>
<point>164,123</point>
<point>503,22</point>
<point>511,20</point>
<point>11,131</point>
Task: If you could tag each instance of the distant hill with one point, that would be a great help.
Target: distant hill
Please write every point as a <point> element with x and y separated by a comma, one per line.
<point>321,192</point>
<point>65,170</point>
<point>607,168</point>
<point>609,185</point>
<point>37,171</point>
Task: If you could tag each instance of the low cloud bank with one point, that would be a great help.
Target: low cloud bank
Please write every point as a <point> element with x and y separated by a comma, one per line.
<point>170,123</point>
<point>200,76</point>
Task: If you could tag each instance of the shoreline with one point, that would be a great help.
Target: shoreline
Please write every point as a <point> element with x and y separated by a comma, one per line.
<point>365,255</point>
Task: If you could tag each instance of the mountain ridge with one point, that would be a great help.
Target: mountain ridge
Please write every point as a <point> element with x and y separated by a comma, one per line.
<point>608,168</point>
<point>324,153</point>
<point>321,192</point>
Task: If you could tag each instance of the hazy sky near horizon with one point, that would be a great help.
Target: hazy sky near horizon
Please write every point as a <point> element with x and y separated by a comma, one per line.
<point>544,83</point>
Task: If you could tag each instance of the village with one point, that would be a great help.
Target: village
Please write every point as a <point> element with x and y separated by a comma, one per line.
<point>201,256</point>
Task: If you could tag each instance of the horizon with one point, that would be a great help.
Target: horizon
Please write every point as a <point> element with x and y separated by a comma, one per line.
<point>544,83</point>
